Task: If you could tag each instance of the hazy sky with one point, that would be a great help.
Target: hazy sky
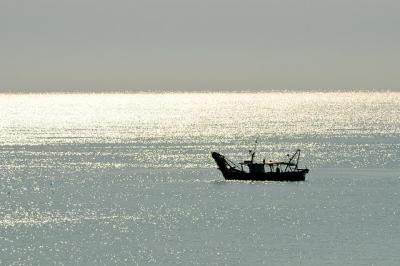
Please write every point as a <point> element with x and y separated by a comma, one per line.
<point>197,45</point>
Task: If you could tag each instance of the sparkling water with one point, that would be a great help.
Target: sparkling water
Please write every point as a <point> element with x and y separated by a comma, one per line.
<point>128,179</point>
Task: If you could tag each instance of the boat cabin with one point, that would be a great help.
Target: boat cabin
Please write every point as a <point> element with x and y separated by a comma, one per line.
<point>274,166</point>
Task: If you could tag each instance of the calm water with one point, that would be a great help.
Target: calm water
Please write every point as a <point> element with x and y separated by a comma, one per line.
<point>95,179</point>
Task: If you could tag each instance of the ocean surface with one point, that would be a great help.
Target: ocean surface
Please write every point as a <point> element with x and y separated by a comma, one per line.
<point>128,179</point>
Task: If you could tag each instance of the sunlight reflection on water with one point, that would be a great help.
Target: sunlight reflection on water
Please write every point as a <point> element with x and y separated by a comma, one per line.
<point>180,129</point>
<point>81,118</point>
<point>95,179</point>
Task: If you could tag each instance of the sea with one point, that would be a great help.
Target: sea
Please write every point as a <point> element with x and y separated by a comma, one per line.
<point>128,178</point>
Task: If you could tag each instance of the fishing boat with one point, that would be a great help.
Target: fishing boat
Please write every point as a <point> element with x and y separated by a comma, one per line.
<point>263,171</point>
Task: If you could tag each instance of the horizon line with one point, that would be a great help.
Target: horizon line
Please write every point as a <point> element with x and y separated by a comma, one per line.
<point>127,91</point>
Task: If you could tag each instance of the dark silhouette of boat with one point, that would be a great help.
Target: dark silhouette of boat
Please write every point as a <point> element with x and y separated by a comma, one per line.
<point>250,170</point>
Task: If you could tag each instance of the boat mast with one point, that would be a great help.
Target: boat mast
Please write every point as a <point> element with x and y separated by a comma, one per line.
<point>298,157</point>
<point>253,152</point>
<point>297,153</point>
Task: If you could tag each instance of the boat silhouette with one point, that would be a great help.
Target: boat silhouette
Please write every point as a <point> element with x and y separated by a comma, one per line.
<point>264,171</point>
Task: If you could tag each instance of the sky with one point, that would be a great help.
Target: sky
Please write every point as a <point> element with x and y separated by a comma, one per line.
<point>102,45</point>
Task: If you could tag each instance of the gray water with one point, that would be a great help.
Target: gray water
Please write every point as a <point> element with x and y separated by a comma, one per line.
<point>100,179</point>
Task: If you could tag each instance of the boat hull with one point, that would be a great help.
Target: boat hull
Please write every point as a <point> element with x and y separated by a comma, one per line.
<point>269,176</point>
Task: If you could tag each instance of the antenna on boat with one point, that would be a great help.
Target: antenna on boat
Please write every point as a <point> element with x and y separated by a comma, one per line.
<point>253,152</point>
